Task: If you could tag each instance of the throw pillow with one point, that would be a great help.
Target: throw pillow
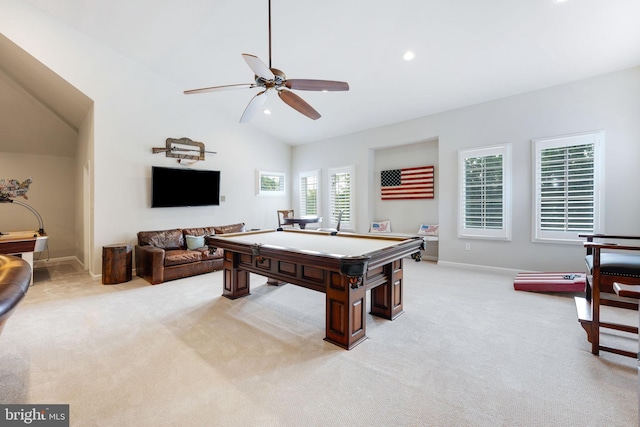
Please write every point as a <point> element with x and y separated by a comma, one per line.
<point>380,226</point>
<point>194,242</point>
<point>428,230</point>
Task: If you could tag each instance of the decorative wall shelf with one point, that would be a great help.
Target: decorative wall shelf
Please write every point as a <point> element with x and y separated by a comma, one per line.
<point>179,148</point>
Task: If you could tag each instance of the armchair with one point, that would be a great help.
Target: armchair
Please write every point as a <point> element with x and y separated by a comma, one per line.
<point>608,263</point>
<point>15,277</point>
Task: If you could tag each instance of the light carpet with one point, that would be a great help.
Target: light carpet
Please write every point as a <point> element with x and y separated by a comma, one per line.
<point>468,351</point>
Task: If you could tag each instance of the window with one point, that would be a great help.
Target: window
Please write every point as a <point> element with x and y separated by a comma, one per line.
<point>309,190</point>
<point>567,196</point>
<point>270,183</point>
<point>341,195</point>
<point>484,189</point>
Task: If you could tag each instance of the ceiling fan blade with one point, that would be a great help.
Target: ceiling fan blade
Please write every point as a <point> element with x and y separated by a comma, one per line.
<point>258,67</point>
<point>320,85</point>
<point>253,106</point>
<point>299,104</point>
<point>218,88</point>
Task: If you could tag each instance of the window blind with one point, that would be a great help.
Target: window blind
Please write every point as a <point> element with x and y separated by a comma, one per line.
<point>341,194</point>
<point>483,192</point>
<point>309,194</point>
<point>567,188</point>
<point>271,182</point>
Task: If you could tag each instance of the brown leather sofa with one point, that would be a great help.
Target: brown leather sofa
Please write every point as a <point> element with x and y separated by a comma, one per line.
<point>180,252</point>
<point>15,277</point>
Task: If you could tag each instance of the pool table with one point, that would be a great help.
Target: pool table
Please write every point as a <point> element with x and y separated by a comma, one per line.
<point>342,265</point>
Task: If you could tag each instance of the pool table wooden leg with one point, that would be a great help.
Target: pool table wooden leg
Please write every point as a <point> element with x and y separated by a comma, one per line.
<point>386,299</point>
<point>236,281</point>
<point>346,311</point>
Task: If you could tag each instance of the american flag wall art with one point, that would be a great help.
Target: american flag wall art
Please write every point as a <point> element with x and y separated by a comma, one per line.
<point>407,183</point>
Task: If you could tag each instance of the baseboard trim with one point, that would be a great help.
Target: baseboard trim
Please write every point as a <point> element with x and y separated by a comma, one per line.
<point>478,267</point>
<point>44,263</point>
<point>52,261</point>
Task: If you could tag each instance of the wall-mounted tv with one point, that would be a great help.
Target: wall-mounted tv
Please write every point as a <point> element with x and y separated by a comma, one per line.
<point>172,187</point>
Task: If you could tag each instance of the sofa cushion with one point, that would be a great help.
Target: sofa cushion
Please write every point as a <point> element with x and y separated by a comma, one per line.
<point>198,231</point>
<point>210,254</point>
<point>165,239</point>
<point>617,264</point>
<point>181,256</point>
<point>231,228</point>
<point>194,242</point>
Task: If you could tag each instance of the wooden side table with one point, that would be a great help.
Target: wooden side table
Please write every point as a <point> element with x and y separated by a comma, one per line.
<point>116,263</point>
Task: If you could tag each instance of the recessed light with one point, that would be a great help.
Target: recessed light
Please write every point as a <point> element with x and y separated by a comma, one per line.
<point>266,111</point>
<point>408,55</point>
<point>561,1</point>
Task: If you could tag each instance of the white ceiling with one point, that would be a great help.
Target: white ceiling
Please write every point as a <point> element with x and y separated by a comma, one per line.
<point>467,51</point>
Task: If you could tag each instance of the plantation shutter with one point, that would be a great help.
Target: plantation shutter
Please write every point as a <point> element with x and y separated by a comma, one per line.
<point>568,195</point>
<point>309,194</point>
<point>271,183</point>
<point>341,195</point>
<point>483,192</point>
<point>567,188</point>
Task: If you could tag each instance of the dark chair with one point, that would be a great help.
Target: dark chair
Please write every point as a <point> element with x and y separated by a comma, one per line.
<point>334,230</point>
<point>282,214</point>
<point>608,263</point>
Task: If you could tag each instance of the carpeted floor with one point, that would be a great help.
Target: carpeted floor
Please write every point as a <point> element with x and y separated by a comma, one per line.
<point>468,351</point>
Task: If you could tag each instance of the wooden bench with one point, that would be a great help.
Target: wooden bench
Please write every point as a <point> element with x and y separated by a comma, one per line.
<point>607,264</point>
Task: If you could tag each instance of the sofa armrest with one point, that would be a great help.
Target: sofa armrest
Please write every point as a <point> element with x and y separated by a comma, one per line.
<point>15,277</point>
<point>150,263</point>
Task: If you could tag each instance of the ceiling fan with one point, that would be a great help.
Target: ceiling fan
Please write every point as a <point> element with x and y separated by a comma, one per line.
<point>272,79</point>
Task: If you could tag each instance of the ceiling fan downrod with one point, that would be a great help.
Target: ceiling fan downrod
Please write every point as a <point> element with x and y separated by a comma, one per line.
<point>269,33</point>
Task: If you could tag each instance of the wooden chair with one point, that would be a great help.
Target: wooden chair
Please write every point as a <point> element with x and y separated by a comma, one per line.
<point>334,230</point>
<point>282,214</point>
<point>608,263</point>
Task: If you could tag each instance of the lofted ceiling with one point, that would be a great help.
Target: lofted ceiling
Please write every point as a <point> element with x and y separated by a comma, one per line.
<point>40,113</point>
<point>466,51</point>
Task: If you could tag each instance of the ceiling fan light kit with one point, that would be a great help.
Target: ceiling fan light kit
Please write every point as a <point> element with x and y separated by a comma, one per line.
<point>271,79</point>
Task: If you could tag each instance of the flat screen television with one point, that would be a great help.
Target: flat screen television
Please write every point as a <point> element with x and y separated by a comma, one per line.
<point>172,187</point>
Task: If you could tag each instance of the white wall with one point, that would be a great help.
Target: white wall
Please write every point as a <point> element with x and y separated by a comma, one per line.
<point>84,190</point>
<point>52,195</point>
<point>406,215</point>
<point>135,110</point>
<point>608,102</point>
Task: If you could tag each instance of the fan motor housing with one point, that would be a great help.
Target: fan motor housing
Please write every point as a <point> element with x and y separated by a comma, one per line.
<point>278,80</point>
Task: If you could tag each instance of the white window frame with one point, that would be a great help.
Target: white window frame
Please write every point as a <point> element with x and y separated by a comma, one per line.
<point>347,220</point>
<point>464,231</point>
<point>303,197</point>
<point>280,176</point>
<point>597,138</point>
